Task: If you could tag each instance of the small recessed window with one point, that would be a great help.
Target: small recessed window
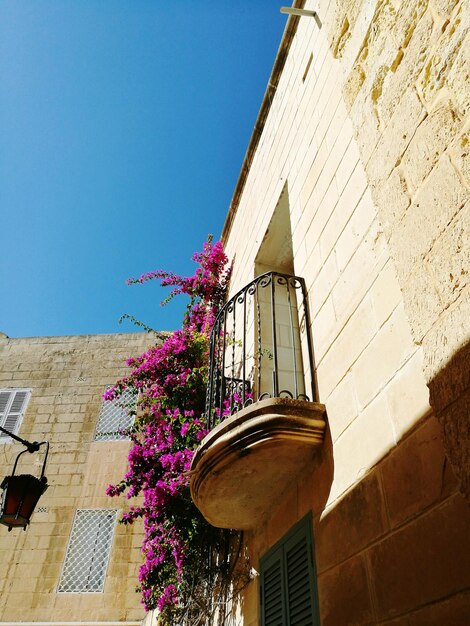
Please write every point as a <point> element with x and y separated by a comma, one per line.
<point>13,403</point>
<point>116,417</point>
<point>86,560</point>
<point>307,68</point>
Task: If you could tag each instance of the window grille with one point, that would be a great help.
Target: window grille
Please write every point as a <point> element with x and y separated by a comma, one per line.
<point>13,404</point>
<point>88,551</point>
<point>116,416</point>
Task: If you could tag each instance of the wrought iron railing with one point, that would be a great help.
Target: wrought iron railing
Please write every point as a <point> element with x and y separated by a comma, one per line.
<point>261,347</point>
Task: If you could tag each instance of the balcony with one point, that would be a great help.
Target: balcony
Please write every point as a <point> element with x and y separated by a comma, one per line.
<point>262,412</point>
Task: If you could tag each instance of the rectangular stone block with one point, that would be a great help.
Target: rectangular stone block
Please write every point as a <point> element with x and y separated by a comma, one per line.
<point>350,342</point>
<point>396,137</point>
<point>383,357</point>
<point>439,65</point>
<point>423,562</point>
<point>418,33</point>
<point>355,229</point>
<point>340,214</point>
<point>453,610</point>
<point>421,298</point>
<point>428,143</point>
<point>355,280</point>
<point>460,154</point>
<point>408,395</point>
<point>347,528</point>
<point>324,327</point>
<point>367,440</point>
<point>447,339</point>
<point>344,594</point>
<point>341,406</point>
<point>450,258</point>
<point>385,293</point>
<point>416,475</point>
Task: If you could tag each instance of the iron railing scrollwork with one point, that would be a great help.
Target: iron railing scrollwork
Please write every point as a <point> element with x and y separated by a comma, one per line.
<point>261,347</point>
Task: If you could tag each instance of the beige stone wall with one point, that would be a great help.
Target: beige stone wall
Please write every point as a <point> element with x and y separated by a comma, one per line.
<point>369,369</point>
<point>67,376</point>
<point>406,70</point>
<point>390,522</point>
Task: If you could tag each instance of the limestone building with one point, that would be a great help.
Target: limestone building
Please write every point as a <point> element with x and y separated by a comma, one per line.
<point>353,205</point>
<point>345,366</point>
<point>74,564</point>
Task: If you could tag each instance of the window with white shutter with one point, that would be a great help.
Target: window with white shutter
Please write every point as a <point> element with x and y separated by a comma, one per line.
<point>116,416</point>
<point>86,560</point>
<point>13,404</point>
<point>288,590</point>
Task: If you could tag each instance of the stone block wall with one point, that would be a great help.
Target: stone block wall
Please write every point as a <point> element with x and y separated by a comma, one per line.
<point>67,376</point>
<point>352,151</point>
<point>406,85</point>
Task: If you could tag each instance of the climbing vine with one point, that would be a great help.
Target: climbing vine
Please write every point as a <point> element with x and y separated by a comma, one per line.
<point>189,567</point>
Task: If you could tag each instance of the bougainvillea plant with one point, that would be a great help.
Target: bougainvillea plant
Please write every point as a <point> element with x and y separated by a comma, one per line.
<point>185,559</point>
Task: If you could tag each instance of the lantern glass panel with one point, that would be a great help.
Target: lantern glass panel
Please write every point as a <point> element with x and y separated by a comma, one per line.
<point>20,496</point>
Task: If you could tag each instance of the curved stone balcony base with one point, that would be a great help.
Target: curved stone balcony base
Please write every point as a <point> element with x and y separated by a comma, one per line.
<point>244,464</point>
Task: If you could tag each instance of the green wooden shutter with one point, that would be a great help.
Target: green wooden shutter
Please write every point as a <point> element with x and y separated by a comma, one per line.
<point>299,578</point>
<point>288,591</point>
<point>273,602</point>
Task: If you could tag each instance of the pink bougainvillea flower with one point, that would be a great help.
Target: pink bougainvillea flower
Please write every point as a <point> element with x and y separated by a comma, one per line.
<point>170,380</point>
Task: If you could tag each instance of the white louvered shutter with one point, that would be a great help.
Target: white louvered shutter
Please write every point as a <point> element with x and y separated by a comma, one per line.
<point>87,556</point>
<point>12,407</point>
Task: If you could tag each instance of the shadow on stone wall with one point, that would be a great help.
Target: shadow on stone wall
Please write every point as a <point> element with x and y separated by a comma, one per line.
<point>396,548</point>
<point>449,396</point>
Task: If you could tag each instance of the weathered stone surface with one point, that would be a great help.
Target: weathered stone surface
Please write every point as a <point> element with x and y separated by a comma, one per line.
<point>409,60</point>
<point>453,610</point>
<point>455,424</point>
<point>421,295</point>
<point>430,140</point>
<point>394,141</point>
<point>353,85</point>
<point>393,196</point>
<point>460,155</point>
<point>365,120</point>
<point>344,594</point>
<point>458,78</point>
<point>416,474</point>
<point>422,562</point>
<point>443,7</point>
<point>344,20</point>
<point>450,258</point>
<point>407,18</point>
<point>408,396</point>
<point>355,522</point>
<point>437,202</point>
<point>434,75</point>
<point>449,338</point>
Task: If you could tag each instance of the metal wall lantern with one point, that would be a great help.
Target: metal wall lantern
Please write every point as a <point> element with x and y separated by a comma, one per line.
<point>21,492</point>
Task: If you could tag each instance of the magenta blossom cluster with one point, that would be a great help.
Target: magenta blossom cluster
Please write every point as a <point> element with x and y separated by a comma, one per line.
<point>207,283</point>
<point>170,380</point>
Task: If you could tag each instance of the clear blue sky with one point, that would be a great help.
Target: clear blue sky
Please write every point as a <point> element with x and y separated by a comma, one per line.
<point>123,127</point>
